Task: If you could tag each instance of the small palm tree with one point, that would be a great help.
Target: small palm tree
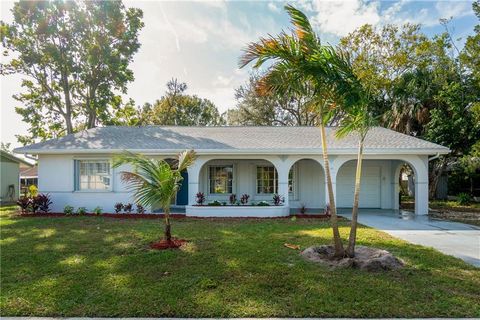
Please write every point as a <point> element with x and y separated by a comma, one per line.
<point>155,182</point>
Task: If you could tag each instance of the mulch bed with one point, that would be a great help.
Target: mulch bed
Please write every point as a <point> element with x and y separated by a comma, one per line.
<point>164,244</point>
<point>366,258</point>
<point>458,216</point>
<point>161,216</point>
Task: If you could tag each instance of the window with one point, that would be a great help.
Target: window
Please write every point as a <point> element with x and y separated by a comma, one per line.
<point>291,180</point>
<point>93,174</point>
<point>267,179</point>
<point>220,179</point>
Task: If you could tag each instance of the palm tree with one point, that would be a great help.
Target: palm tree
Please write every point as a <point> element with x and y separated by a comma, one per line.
<point>155,182</point>
<point>298,58</point>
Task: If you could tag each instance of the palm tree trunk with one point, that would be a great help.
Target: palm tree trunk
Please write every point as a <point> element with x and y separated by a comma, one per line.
<point>339,251</point>
<point>353,229</point>
<point>168,232</point>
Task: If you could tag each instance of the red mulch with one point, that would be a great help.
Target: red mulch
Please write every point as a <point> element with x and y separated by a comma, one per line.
<point>161,216</point>
<point>107,215</point>
<point>164,244</point>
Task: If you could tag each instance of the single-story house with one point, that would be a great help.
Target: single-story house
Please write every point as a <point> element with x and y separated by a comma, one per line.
<point>10,167</point>
<point>77,169</point>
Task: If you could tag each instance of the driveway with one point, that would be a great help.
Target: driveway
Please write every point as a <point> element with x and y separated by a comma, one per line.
<point>452,238</point>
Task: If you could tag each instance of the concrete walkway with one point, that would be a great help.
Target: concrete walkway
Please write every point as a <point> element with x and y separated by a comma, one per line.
<point>452,238</point>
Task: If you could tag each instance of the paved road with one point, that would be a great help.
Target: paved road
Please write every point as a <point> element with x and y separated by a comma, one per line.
<point>453,238</point>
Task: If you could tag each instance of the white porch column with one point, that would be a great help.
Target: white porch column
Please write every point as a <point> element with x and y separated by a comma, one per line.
<point>193,181</point>
<point>396,168</point>
<point>421,187</point>
<point>283,170</point>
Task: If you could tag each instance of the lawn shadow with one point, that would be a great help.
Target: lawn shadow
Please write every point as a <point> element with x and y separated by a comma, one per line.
<point>93,266</point>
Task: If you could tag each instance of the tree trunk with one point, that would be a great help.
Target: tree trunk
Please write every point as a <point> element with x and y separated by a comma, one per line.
<point>168,232</point>
<point>353,228</point>
<point>339,251</point>
<point>435,174</point>
<point>68,104</point>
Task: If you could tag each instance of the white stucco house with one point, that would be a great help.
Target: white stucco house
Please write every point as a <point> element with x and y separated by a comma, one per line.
<point>259,161</point>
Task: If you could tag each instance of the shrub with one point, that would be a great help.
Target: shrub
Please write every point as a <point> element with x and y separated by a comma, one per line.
<point>32,191</point>
<point>34,204</point>
<point>303,208</point>
<point>24,203</point>
<point>214,203</point>
<point>277,199</point>
<point>140,209</point>
<point>128,207</point>
<point>200,198</point>
<point>68,209</point>
<point>263,204</point>
<point>97,210</point>
<point>81,210</point>
<point>464,199</point>
<point>244,198</point>
<point>44,202</point>
<point>232,199</point>
<point>118,207</point>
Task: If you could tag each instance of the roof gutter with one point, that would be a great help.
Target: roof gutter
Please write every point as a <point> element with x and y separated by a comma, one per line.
<point>26,155</point>
<point>348,151</point>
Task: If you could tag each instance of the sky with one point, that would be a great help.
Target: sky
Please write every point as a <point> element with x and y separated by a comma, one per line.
<point>200,42</point>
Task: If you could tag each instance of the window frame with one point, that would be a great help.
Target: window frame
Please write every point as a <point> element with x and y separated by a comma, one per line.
<point>76,174</point>
<point>275,179</point>
<point>293,195</point>
<point>220,165</point>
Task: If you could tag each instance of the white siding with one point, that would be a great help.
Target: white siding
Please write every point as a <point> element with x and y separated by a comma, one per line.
<point>56,177</point>
<point>9,175</point>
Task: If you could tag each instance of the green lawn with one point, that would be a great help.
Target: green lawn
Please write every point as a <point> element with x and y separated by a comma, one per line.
<point>94,266</point>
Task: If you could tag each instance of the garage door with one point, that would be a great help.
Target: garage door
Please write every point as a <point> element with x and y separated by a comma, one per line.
<point>369,188</point>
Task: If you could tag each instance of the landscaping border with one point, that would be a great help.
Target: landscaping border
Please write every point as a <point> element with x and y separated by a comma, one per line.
<point>160,216</point>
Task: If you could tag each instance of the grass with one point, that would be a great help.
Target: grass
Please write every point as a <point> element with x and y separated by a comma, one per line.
<point>94,266</point>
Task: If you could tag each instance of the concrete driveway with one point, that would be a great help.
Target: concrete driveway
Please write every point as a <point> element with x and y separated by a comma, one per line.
<point>452,238</point>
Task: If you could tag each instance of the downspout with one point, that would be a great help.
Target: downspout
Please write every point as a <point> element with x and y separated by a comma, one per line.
<point>434,157</point>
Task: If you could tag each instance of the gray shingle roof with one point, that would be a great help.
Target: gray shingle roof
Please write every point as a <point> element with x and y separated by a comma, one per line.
<point>227,139</point>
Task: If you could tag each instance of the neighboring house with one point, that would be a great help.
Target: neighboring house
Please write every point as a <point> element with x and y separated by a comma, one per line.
<point>10,176</point>
<point>28,177</point>
<point>260,161</point>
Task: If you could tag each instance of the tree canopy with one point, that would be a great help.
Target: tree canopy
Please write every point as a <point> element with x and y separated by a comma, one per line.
<point>175,107</point>
<point>74,57</point>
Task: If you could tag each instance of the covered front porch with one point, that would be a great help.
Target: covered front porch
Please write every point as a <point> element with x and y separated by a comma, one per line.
<point>300,181</point>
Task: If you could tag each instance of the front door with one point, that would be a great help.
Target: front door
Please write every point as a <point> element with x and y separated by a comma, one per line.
<point>182,194</point>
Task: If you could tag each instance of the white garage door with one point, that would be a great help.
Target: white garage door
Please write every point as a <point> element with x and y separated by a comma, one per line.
<point>369,187</point>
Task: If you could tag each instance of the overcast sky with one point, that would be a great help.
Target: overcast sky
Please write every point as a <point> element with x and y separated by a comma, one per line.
<point>200,42</point>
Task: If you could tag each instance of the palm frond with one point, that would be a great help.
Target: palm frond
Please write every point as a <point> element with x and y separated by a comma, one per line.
<point>186,159</point>
<point>302,27</point>
<point>153,181</point>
